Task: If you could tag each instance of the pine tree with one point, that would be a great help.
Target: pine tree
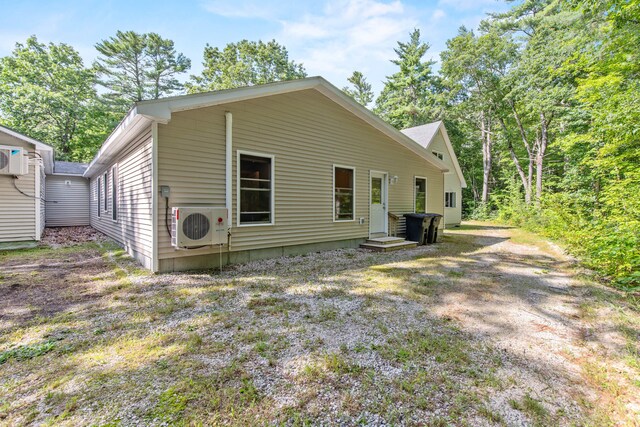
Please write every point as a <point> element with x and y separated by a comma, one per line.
<point>409,97</point>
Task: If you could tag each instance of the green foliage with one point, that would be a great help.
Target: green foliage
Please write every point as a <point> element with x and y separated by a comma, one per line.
<point>135,67</point>
<point>361,91</point>
<point>409,97</point>
<point>48,94</point>
<point>26,352</point>
<point>245,63</point>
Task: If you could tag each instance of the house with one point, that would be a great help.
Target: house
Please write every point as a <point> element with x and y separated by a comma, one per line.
<point>24,163</point>
<point>434,138</point>
<point>67,193</point>
<point>35,190</point>
<point>262,171</point>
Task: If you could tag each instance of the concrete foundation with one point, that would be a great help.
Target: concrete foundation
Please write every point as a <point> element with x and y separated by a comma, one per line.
<point>212,261</point>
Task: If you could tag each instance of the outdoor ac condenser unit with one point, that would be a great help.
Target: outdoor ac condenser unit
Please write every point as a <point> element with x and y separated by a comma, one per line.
<point>193,226</point>
<point>13,161</point>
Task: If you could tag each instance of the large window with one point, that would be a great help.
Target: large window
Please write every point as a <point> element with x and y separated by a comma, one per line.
<point>99,183</point>
<point>450,200</point>
<point>255,184</point>
<point>420,194</point>
<point>343,193</point>
<point>114,197</point>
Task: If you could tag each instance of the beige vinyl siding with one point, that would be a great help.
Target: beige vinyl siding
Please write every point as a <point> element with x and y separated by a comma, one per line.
<point>67,204</point>
<point>307,134</point>
<point>43,198</point>
<point>133,227</point>
<point>17,211</point>
<point>452,216</point>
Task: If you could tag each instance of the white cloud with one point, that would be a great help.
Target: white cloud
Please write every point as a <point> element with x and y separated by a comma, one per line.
<point>468,4</point>
<point>248,9</point>
<point>438,14</point>
<point>348,35</point>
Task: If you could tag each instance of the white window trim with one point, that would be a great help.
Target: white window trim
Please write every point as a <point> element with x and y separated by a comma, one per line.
<point>426,192</point>
<point>438,154</point>
<point>273,187</point>
<point>114,194</point>
<point>455,199</point>
<point>333,192</point>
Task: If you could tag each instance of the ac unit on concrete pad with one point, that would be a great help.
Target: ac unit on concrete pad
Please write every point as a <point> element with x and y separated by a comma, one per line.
<point>194,226</point>
<point>13,160</point>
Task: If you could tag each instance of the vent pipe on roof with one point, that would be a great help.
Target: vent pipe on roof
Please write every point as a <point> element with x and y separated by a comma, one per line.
<point>229,165</point>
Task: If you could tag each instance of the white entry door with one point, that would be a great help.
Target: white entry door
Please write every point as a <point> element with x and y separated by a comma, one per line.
<point>378,201</point>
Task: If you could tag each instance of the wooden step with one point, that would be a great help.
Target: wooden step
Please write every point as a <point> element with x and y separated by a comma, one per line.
<point>403,244</point>
<point>385,240</point>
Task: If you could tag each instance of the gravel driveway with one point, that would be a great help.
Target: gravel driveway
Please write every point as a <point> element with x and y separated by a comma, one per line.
<point>492,326</point>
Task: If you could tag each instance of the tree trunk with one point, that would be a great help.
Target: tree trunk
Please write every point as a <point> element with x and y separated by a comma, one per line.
<point>544,138</point>
<point>486,157</point>
<point>526,181</point>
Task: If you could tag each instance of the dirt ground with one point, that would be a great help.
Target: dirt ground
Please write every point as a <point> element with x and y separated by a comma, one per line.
<point>492,326</point>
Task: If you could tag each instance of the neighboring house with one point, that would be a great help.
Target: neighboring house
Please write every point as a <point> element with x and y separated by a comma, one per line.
<point>67,192</point>
<point>299,166</point>
<point>26,167</point>
<point>24,163</point>
<point>434,138</point>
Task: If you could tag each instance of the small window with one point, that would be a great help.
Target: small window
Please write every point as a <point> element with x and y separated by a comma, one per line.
<point>450,200</point>
<point>420,195</point>
<point>105,179</point>
<point>438,155</point>
<point>99,182</point>
<point>114,198</point>
<point>256,189</point>
<point>343,193</point>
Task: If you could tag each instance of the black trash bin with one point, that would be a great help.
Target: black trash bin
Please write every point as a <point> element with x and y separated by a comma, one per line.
<point>418,226</point>
<point>432,232</point>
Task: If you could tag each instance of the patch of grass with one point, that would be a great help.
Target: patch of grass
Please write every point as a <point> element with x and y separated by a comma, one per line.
<point>397,272</point>
<point>272,305</point>
<point>170,407</point>
<point>445,348</point>
<point>326,314</point>
<point>491,415</point>
<point>333,292</point>
<point>26,352</point>
<point>194,342</point>
<point>338,364</point>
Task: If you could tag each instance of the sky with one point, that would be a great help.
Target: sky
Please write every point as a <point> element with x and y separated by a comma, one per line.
<point>331,38</point>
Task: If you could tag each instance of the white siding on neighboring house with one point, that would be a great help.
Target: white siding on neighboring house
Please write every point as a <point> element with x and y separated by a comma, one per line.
<point>452,215</point>
<point>43,198</point>
<point>18,211</point>
<point>67,201</point>
<point>307,134</point>
<point>133,227</point>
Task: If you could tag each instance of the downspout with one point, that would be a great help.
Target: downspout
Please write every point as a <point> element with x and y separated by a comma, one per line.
<point>228,167</point>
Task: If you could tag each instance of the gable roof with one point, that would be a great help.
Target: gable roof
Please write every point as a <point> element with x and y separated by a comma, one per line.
<point>425,135</point>
<point>69,168</point>
<point>160,111</point>
<point>45,149</point>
